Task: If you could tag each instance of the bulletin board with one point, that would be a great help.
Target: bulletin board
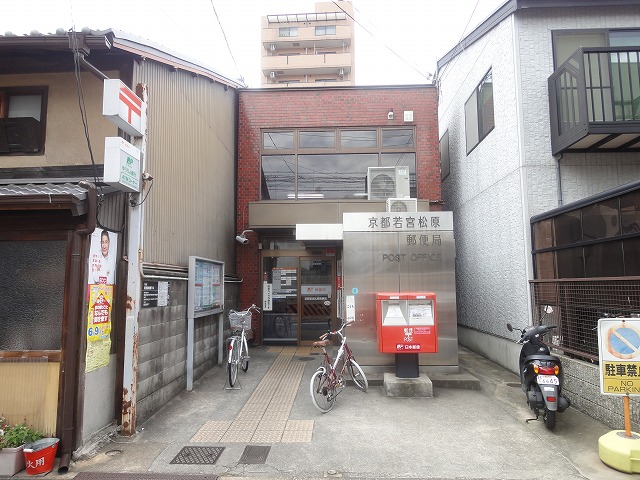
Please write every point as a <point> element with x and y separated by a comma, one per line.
<point>206,287</point>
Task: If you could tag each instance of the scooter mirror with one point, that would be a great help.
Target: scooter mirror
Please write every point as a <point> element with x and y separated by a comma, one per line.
<point>548,309</point>
<point>509,327</point>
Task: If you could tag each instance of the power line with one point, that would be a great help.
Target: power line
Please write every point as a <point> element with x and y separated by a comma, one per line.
<point>428,76</point>
<point>227,42</point>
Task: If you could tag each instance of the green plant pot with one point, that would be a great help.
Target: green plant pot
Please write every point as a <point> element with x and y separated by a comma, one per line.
<point>11,461</point>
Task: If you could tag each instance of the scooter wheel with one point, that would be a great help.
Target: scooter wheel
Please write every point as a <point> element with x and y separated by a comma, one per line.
<point>549,419</point>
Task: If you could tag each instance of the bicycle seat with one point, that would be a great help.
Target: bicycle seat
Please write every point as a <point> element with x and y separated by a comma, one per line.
<point>321,343</point>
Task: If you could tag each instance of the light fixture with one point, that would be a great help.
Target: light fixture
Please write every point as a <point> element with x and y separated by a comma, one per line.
<point>390,114</point>
<point>242,239</point>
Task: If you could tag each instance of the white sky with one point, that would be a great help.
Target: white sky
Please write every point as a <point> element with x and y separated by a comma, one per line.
<point>397,41</point>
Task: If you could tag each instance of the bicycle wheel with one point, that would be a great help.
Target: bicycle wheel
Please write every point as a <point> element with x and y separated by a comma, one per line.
<point>357,375</point>
<point>322,392</point>
<point>244,356</point>
<point>233,361</point>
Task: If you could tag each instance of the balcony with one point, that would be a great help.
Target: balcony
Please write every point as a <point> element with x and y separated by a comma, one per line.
<point>594,101</point>
<point>307,38</point>
<point>304,64</point>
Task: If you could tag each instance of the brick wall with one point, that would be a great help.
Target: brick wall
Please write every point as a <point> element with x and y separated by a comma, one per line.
<point>326,107</point>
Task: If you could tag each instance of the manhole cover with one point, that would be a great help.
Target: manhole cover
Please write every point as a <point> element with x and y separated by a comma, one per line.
<point>306,359</point>
<point>197,456</point>
<point>254,454</point>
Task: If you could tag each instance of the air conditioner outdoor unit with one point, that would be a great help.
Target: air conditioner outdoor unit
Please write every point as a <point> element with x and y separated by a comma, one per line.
<point>402,204</point>
<point>387,182</point>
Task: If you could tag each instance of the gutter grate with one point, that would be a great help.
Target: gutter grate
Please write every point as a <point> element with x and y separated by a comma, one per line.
<point>197,456</point>
<point>254,454</point>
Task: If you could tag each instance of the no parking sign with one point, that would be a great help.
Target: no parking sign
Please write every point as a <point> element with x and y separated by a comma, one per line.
<point>619,346</point>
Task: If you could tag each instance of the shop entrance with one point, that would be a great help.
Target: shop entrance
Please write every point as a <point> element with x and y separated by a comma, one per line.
<point>298,296</point>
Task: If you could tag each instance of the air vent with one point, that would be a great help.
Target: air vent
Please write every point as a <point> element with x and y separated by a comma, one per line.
<point>387,182</point>
<point>402,205</point>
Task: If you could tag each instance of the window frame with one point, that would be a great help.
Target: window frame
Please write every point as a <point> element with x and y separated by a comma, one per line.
<point>555,34</point>
<point>473,106</point>
<point>323,28</point>
<point>289,30</point>
<point>445,157</point>
<point>5,97</point>
<point>297,151</point>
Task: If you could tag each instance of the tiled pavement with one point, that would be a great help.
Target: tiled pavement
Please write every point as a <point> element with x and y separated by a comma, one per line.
<point>265,416</point>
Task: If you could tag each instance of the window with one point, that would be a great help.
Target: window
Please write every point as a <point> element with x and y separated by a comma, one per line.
<point>478,112</point>
<point>317,139</point>
<point>288,32</point>
<point>445,165</point>
<point>358,139</point>
<point>599,239</point>
<point>277,140</point>
<point>402,138</point>
<point>326,30</point>
<point>331,163</point>
<point>565,42</point>
<point>22,118</point>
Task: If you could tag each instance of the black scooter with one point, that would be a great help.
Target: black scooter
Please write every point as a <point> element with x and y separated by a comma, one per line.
<point>541,374</point>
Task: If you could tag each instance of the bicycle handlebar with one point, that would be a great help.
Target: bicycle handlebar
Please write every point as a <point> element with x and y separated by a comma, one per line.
<point>335,332</point>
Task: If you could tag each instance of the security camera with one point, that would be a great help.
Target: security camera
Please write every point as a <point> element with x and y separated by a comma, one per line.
<point>242,239</point>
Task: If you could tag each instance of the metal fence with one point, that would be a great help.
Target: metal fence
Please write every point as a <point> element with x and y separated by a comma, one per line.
<point>577,306</point>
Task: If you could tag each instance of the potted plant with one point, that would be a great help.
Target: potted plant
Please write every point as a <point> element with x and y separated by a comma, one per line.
<point>12,440</point>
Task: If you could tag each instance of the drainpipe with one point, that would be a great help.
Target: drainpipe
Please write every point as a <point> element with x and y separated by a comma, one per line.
<point>90,67</point>
<point>560,201</point>
<point>70,361</point>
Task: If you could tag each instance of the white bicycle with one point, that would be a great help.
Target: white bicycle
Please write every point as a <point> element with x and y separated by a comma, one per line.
<point>238,352</point>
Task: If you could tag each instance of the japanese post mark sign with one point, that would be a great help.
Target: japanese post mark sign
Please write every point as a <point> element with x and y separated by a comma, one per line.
<point>619,346</point>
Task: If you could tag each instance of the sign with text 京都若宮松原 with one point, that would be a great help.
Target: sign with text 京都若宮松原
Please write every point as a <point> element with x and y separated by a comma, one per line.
<point>619,347</point>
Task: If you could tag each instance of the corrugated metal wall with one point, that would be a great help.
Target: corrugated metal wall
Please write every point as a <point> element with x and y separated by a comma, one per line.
<point>191,156</point>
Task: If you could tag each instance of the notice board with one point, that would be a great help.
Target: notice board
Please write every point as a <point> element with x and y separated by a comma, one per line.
<point>206,287</point>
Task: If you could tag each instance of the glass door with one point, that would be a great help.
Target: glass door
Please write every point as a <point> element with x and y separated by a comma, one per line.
<point>280,299</point>
<point>317,299</point>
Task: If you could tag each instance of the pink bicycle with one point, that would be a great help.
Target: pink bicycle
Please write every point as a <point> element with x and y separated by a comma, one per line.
<point>328,381</point>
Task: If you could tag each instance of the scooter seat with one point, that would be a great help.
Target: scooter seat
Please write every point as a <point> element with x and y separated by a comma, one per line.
<point>549,358</point>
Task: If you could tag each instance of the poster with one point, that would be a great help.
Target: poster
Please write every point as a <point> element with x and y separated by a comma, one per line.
<point>101,281</point>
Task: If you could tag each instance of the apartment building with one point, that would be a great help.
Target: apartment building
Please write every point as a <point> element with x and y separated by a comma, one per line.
<point>539,135</point>
<point>309,49</point>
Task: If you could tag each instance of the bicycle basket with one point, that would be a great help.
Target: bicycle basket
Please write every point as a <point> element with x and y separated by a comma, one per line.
<point>240,319</point>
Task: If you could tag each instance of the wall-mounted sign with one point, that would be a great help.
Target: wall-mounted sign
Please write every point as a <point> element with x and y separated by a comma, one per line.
<point>397,221</point>
<point>124,108</point>
<point>155,294</point>
<point>121,164</point>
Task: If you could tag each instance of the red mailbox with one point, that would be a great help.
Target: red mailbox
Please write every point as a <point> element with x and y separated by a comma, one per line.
<point>407,322</point>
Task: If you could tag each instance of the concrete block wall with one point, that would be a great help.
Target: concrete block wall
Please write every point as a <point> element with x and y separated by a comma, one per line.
<point>326,107</point>
<point>162,351</point>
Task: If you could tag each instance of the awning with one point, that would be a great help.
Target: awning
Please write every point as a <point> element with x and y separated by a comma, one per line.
<point>46,196</point>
